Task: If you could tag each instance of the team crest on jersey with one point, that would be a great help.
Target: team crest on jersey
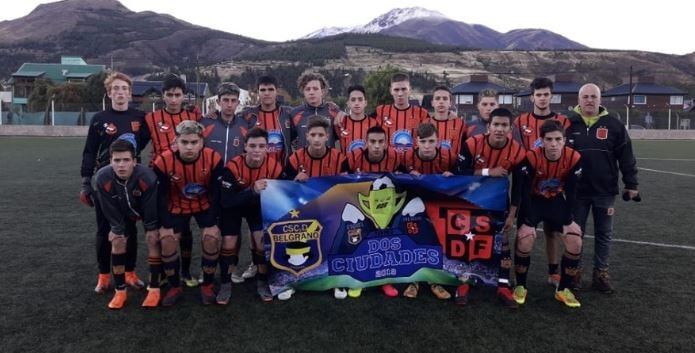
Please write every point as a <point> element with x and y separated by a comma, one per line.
<point>193,191</point>
<point>241,181</point>
<point>287,124</point>
<point>163,127</point>
<point>402,139</point>
<point>137,193</point>
<point>276,142</point>
<point>295,245</point>
<point>204,172</point>
<point>135,126</point>
<point>236,142</point>
<point>175,178</point>
<point>479,160</point>
<point>110,128</point>
<point>526,130</point>
<point>344,132</point>
<point>355,145</point>
<point>602,133</point>
<point>538,143</point>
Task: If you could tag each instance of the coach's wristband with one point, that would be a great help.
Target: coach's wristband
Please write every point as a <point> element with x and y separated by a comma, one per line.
<point>486,172</point>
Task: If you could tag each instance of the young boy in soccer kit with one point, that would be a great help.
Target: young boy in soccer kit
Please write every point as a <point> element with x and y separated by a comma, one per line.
<point>352,129</point>
<point>400,119</point>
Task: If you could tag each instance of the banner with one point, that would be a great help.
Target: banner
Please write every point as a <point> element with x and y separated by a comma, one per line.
<point>366,230</point>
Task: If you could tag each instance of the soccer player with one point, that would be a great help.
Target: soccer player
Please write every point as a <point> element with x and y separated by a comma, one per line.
<point>450,128</point>
<point>376,157</point>
<point>352,129</point>
<point>188,187</point>
<point>162,124</point>
<point>606,148</point>
<point>487,102</point>
<point>313,86</point>
<point>526,130</point>
<point>427,158</point>
<point>243,179</point>
<point>400,119</point>
<point>127,192</point>
<point>495,154</point>
<point>104,128</point>
<point>550,175</point>
<point>272,117</point>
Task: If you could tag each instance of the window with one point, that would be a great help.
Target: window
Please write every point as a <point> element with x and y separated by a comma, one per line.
<point>504,99</point>
<point>556,99</point>
<point>676,100</point>
<point>464,99</point>
<point>639,99</point>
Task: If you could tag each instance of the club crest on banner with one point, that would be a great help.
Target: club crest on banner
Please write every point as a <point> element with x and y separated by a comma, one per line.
<point>295,246</point>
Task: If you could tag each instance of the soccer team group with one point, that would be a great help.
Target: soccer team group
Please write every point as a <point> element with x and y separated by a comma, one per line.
<point>214,169</point>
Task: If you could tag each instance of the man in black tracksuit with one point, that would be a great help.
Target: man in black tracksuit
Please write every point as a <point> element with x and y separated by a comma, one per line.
<point>606,148</point>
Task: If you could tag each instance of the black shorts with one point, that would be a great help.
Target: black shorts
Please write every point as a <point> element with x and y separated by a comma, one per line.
<point>181,222</point>
<point>230,222</point>
<point>549,211</point>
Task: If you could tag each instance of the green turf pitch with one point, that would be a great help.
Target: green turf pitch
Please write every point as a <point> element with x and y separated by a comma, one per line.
<point>47,272</point>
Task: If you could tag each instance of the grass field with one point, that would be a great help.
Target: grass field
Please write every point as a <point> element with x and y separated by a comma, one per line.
<point>48,271</point>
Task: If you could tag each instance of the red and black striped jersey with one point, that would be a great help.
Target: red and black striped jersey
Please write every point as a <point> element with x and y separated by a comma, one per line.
<point>358,162</point>
<point>331,163</point>
<point>244,176</point>
<point>401,124</point>
<point>527,128</point>
<point>439,164</point>
<point>549,177</point>
<point>353,133</point>
<point>191,185</point>
<point>450,133</point>
<point>162,126</point>
<point>478,154</point>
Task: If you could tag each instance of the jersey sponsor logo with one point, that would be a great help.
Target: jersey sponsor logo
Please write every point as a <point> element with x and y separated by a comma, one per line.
<point>388,121</point>
<point>402,139</point>
<point>549,187</point>
<point>193,191</point>
<point>276,142</point>
<point>163,127</point>
<point>538,143</point>
<point>602,133</point>
<point>355,145</point>
<point>135,126</point>
<point>445,144</point>
<point>110,128</point>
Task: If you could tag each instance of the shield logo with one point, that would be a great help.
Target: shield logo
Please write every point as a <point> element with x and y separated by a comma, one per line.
<point>354,235</point>
<point>602,133</point>
<point>295,246</point>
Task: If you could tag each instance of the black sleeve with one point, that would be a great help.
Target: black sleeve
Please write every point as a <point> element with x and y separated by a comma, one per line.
<point>145,135</point>
<point>163,199</point>
<point>464,161</point>
<point>110,208</point>
<point>215,189</point>
<point>526,209</point>
<point>149,202</point>
<point>626,160</point>
<point>91,148</point>
<point>517,183</point>
<point>571,192</point>
<point>290,172</point>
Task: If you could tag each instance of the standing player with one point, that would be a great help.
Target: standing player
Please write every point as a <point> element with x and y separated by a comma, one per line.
<point>272,117</point>
<point>105,128</point>
<point>243,179</point>
<point>495,154</point>
<point>313,86</point>
<point>487,102</point>
<point>400,119</point>
<point>550,176</point>
<point>352,129</point>
<point>188,187</point>
<point>451,129</point>
<point>162,125</point>
<point>526,131</point>
<point>127,192</point>
<point>427,158</point>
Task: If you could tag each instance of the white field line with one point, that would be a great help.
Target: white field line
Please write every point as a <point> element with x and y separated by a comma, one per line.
<point>666,172</point>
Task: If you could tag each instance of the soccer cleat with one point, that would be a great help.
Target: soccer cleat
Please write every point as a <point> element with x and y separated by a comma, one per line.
<point>462,294</point>
<point>389,290</point>
<point>504,294</point>
<point>224,293</point>
<point>207,294</point>
<point>554,279</point>
<point>440,292</point>
<point>567,297</point>
<point>286,295</point>
<point>601,281</point>
<point>119,299</point>
<point>520,295</point>
<point>264,291</point>
<point>411,291</point>
<point>339,293</point>
<point>190,281</point>
<point>237,278</point>
<point>132,280</point>
<point>173,295</point>
<point>355,292</point>
<point>250,272</point>
<point>103,283</point>
<point>152,298</point>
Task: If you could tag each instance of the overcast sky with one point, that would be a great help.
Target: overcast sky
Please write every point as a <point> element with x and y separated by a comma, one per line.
<point>665,26</point>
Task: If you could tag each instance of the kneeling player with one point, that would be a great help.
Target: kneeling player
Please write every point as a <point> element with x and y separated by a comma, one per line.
<point>188,187</point>
<point>550,176</point>
<point>127,192</point>
<point>243,179</point>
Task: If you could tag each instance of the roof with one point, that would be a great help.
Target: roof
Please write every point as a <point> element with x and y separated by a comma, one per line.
<point>141,88</point>
<point>58,73</point>
<point>643,88</point>
<point>558,88</point>
<point>476,87</point>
